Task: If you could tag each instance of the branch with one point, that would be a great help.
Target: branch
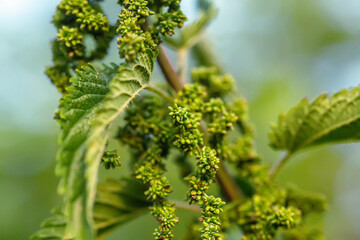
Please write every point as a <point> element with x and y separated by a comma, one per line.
<point>182,63</point>
<point>168,70</point>
<point>275,169</point>
<point>227,183</point>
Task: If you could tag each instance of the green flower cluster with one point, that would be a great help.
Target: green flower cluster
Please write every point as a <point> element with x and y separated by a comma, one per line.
<point>189,138</point>
<point>133,38</point>
<point>241,153</point>
<point>193,96</point>
<point>211,207</point>
<point>168,21</point>
<point>261,216</point>
<point>111,159</point>
<point>72,39</point>
<point>165,214</point>
<point>143,120</point>
<point>270,207</point>
<point>207,166</point>
<point>146,132</point>
<point>217,84</point>
<point>76,20</point>
<point>187,114</point>
<point>150,171</point>
<point>221,120</point>
<point>89,17</point>
<point>135,33</point>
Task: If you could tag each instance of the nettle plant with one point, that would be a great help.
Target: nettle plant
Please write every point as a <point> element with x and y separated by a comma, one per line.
<point>200,125</point>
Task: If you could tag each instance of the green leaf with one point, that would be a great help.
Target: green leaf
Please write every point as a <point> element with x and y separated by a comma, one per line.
<point>76,111</point>
<point>327,120</point>
<point>88,89</point>
<point>117,202</point>
<point>125,86</point>
<point>86,112</point>
<point>191,34</point>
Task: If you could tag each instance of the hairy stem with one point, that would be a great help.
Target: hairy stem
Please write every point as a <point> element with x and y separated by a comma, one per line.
<point>182,63</point>
<point>275,169</point>
<point>168,70</point>
<point>225,178</point>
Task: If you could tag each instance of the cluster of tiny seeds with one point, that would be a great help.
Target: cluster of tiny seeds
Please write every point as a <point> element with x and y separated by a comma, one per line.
<point>145,132</point>
<point>59,75</point>
<point>211,207</point>
<point>74,19</point>
<point>150,171</point>
<point>143,121</point>
<point>192,96</point>
<point>167,22</point>
<point>217,85</point>
<point>222,121</point>
<point>85,14</point>
<point>211,210</point>
<point>72,39</point>
<point>111,159</point>
<point>189,137</point>
<point>261,216</point>
<point>186,118</point>
<point>87,19</point>
<point>165,215</point>
<point>134,38</point>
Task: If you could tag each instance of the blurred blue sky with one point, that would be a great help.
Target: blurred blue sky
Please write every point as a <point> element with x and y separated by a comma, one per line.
<point>284,42</point>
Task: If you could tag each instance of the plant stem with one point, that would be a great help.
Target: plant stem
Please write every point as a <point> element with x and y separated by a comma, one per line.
<point>225,178</point>
<point>186,206</point>
<point>168,70</point>
<point>182,63</point>
<point>160,93</point>
<point>275,169</point>
<point>227,183</point>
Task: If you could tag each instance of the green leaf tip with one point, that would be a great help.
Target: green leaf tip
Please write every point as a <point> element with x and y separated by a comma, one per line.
<point>326,120</point>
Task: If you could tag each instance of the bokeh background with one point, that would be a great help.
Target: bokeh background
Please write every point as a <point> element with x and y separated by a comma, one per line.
<point>279,51</point>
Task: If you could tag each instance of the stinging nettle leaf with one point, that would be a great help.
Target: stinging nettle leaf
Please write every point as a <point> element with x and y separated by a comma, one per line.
<point>125,86</point>
<point>76,111</point>
<point>88,89</point>
<point>327,120</point>
<point>90,105</point>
